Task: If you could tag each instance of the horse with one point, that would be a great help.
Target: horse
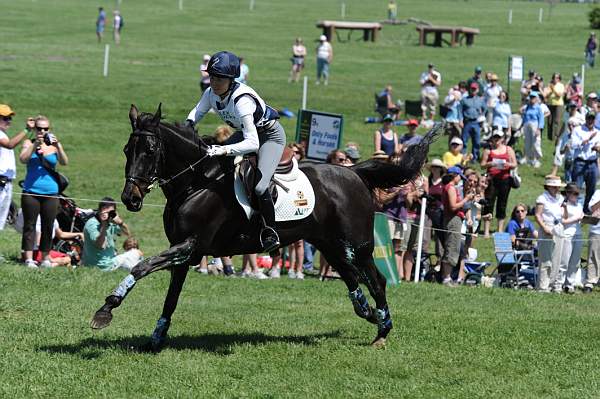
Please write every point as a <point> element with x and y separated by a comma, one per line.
<point>201,215</point>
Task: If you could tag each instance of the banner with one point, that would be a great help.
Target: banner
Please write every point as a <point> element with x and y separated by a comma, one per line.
<point>515,68</point>
<point>319,133</point>
<point>383,253</point>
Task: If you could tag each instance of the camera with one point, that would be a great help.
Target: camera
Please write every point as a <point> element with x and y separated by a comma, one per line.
<point>484,202</point>
<point>112,214</point>
<point>48,138</point>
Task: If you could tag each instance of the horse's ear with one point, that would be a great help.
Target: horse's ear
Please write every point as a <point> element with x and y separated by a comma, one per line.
<point>133,115</point>
<point>157,115</point>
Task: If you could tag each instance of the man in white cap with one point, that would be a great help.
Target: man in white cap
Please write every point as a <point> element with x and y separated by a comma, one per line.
<point>204,77</point>
<point>324,58</point>
<point>8,168</point>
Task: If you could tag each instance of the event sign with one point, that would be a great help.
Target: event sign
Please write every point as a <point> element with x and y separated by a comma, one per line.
<point>383,252</point>
<point>319,132</point>
<point>515,67</point>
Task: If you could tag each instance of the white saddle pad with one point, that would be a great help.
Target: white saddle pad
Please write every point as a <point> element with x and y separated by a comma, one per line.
<point>295,204</point>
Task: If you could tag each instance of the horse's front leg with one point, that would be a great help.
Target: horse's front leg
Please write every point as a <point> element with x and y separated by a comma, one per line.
<point>159,336</point>
<point>177,256</point>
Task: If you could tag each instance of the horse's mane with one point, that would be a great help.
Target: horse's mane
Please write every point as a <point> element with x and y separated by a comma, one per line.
<point>145,121</point>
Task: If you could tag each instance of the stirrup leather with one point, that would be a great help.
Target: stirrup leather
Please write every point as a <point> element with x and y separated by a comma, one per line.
<point>274,233</point>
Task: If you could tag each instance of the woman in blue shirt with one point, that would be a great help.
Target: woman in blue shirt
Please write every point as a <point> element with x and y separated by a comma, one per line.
<point>522,231</point>
<point>40,190</point>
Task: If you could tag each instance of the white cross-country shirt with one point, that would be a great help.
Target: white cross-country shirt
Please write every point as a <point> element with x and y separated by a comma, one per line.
<point>241,102</point>
<point>8,166</point>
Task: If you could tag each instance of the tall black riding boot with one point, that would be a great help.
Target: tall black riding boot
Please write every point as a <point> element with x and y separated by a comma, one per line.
<point>268,236</point>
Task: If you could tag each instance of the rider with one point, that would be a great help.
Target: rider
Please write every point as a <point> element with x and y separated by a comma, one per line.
<point>257,130</point>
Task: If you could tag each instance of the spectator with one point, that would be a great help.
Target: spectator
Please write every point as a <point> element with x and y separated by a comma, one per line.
<point>590,49</point>
<point>392,10</point>
<point>117,25</point>
<point>435,210</point>
<point>498,160</point>
<point>454,112</point>
<point>548,214</point>
<point>385,105</point>
<point>533,122</point>
<point>591,104</point>
<point>522,231</point>
<point>204,77</point>
<point>529,85</point>
<point>454,155</point>
<point>352,154</point>
<point>244,72</point>
<point>473,110</point>
<point>324,58</point>
<point>476,78</point>
<point>501,114</point>
<point>491,95</point>
<point>585,142</point>
<point>40,189</point>
<point>454,215</point>
<point>572,237</point>
<point>593,264</point>
<point>380,156</point>
<point>337,157</point>
<point>99,247</point>
<point>411,137</point>
<point>430,80</point>
<point>555,94</point>
<point>385,139</point>
<point>574,91</point>
<point>250,268</point>
<point>563,153</point>
<point>100,23</point>
<point>8,167</point>
<point>298,54</point>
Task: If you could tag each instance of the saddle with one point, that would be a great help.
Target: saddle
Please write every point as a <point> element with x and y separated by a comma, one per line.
<point>250,175</point>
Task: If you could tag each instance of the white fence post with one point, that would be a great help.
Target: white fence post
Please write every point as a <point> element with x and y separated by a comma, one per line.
<point>420,240</point>
<point>304,92</point>
<point>106,50</point>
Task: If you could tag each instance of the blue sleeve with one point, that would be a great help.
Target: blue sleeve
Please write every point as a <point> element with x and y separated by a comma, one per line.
<point>540,118</point>
<point>512,227</point>
<point>460,112</point>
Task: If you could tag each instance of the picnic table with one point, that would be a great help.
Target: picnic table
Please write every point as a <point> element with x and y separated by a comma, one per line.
<point>370,29</point>
<point>457,34</point>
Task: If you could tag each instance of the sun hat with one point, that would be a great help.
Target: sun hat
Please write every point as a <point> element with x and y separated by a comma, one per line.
<point>412,122</point>
<point>388,117</point>
<point>494,77</point>
<point>352,152</point>
<point>456,140</point>
<point>553,181</point>
<point>498,132</point>
<point>5,110</point>
<point>457,170</point>
<point>323,38</point>
<point>436,162</point>
<point>379,155</point>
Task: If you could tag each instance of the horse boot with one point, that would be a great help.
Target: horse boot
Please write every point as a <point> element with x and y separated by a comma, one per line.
<point>268,236</point>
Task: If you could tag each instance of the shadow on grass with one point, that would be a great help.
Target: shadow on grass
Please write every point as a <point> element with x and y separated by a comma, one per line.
<point>220,344</point>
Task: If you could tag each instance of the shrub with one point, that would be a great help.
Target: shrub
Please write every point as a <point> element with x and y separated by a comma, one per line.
<point>594,17</point>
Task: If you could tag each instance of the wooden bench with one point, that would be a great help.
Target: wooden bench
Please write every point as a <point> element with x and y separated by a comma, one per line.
<point>370,29</point>
<point>457,34</point>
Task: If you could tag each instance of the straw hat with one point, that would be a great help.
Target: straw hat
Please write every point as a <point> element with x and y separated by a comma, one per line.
<point>436,162</point>
<point>553,181</point>
<point>379,155</point>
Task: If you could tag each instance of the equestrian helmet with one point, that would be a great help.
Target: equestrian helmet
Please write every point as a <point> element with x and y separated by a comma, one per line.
<point>224,64</point>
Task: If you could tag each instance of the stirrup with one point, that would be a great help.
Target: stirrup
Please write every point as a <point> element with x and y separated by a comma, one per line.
<point>273,236</point>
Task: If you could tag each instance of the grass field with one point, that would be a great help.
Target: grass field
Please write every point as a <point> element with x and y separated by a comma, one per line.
<point>239,338</point>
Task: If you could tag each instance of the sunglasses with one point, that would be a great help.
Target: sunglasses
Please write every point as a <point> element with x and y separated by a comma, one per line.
<point>454,144</point>
<point>341,159</point>
<point>7,118</point>
<point>520,210</point>
<point>42,129</point>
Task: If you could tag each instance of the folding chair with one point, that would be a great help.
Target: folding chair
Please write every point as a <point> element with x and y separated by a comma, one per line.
<point>514,268</point>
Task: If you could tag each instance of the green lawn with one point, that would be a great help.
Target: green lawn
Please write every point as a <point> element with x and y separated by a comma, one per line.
<point>244,338</point>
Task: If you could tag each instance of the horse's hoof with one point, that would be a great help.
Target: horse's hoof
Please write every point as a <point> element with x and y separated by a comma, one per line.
<point>101,319</point>
<point>379,343</point>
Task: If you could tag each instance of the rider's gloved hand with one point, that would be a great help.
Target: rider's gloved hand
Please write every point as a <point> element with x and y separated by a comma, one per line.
<point>190,123</point>
<point>216,150</point>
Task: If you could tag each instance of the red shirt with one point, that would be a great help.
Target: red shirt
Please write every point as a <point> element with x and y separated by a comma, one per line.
<point>499,173</point>
<point>448,212</point>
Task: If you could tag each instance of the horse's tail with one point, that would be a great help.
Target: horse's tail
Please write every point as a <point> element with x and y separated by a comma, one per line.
<point>377,174</point>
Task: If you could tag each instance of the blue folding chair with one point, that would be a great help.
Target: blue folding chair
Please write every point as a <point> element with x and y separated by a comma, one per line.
<point>514,268</point>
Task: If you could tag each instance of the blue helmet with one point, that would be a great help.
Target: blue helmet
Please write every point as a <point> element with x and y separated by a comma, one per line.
<point>224,64</point>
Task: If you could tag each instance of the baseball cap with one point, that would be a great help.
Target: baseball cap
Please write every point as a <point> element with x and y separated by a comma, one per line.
<point>430,65</point>
<point>498,132</point>
<point>478,68</point>
<point>456,140</point>
<point>413,122</point>
<point>534,94</point>
<point>474,85</point>
<point>5,110</point>
<point>323,38</point>
<point>457,170</point>
<point>388,118</point>
<point>352,153</point>
<point>531,72</point>
<point>592,95</point>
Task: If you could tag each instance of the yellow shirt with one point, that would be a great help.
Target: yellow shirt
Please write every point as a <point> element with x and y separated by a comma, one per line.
<point>556,96</point>
<point>450,159</point>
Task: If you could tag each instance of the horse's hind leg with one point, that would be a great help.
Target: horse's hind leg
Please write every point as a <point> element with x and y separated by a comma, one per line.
<point>376,284</point>
<point>177,256</point>
<point>159,335</point>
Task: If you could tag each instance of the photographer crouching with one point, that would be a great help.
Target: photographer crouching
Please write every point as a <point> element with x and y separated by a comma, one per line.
<point>40,189</point>
<point>99,240</point>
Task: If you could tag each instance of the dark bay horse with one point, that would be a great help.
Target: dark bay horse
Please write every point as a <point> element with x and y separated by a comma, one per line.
<point>202,216</point>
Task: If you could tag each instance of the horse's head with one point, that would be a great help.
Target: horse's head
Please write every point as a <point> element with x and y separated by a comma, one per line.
<point>143,157</point>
